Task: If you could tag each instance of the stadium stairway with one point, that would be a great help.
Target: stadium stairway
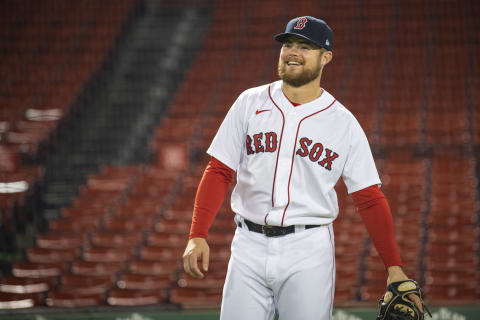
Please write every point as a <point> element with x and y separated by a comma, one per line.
<point>113,121</point>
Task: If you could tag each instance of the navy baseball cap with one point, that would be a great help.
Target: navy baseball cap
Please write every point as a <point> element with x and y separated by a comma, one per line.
<point>311,29</point>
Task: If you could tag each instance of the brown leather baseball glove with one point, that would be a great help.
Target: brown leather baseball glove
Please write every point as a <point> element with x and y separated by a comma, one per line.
<point>395,305</point>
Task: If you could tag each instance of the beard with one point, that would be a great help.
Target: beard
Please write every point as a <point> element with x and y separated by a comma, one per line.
<point>307,75</point>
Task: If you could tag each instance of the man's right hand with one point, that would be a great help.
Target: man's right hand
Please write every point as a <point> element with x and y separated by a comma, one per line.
<point>197,248</point>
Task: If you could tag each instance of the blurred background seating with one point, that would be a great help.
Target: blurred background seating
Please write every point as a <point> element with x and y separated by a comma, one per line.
<point>107,108</point>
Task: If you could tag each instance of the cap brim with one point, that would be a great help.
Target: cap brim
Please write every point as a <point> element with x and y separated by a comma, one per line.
<point>281,37</point>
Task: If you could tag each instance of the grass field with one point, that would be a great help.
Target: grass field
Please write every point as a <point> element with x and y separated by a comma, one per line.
<point>471,312</point>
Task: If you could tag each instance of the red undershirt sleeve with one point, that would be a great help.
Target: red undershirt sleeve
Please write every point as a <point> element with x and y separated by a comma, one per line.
<point>210,196</point>
<point>373,208</point>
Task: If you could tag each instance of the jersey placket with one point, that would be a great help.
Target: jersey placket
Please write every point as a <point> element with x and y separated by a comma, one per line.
<point>282,194</point>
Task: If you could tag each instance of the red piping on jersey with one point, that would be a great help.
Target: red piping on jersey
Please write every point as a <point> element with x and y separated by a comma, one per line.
<point>293,155</point>
<point>279,146</point>
<point>332,292</point>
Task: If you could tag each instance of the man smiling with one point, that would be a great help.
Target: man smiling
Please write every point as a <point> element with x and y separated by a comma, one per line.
<point>288,143</point>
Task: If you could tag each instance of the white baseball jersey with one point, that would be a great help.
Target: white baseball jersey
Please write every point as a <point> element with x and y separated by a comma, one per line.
<point>288,159</point>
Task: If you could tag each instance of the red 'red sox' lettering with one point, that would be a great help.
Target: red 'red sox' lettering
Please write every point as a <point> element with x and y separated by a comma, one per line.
<point>304,143</point>
<point>315,153</point>
<point>258,144</point>
<point>268,143</point>
<point>248,144</point>
<point>329,157</point>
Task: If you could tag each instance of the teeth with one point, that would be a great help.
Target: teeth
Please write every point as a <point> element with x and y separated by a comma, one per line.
<point>293,63</point>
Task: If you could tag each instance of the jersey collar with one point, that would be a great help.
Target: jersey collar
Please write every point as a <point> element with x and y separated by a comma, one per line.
<point>279,98</point>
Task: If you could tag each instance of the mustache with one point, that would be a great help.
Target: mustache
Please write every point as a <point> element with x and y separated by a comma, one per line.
<point>293,59</point>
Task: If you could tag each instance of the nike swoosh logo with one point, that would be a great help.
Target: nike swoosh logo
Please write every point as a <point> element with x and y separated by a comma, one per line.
<point>260,111</point>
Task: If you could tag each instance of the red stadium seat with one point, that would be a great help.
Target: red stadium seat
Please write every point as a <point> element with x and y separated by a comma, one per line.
<point>193,298</point>
<point>108,239</point>
<point>448,276</point>
<point>19,301</point>
<point>37,270</point>
<point>222,226</point>
<point>84,285</point>
<point>347,275</point>
<point>220,238</point>
<point>56,240</point>
<point>142,207</point>
<point>172,254</point>
<point>144,282</point>
<point>184,215</point>
<point>444,292</point>
<point>85,209</point>
<point>42,255</point>
<point>87,268</point>
<point>120,297</point>
<point>13,284</point>
<point>115,224</point>
<point>154,268</point>
<point>172,226</point>
<point>164,239</point>
<point>211,280</point>
<point>344,293</point>
<point>61,299</point>
<point>107,254</point>
<point>219,253</point>
<point>79,224</point>
<point>372,292</point>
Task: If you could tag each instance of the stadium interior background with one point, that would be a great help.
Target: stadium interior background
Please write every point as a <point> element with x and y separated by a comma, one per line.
<point>107,108</point>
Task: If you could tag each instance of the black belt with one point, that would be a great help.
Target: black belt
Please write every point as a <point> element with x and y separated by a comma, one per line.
<point>273,231</point>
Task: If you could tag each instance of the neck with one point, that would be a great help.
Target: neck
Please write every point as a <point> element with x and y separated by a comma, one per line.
<point>303,94</point>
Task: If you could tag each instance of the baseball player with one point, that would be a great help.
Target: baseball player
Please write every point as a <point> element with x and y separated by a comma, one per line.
<point>288,143</point>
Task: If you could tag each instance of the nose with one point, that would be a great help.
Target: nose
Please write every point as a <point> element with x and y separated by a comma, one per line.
<point>294,48</point>
<point>292,52</point>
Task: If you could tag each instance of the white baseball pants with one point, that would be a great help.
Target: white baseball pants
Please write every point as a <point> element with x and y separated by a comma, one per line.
<point>293,274</point>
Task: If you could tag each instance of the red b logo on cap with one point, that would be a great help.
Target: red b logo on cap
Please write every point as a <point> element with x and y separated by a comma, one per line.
<point>301,22</point>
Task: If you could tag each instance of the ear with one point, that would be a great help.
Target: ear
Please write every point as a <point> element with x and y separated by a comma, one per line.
<point>326,57</point>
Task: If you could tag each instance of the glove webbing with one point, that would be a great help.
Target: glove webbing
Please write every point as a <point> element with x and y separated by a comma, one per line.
<point>404,288</point>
